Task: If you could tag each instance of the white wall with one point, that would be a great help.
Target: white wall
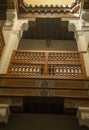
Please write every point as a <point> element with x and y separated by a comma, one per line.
<point>11,43</point>
<point>86,60</point>
<point>86,37</point>
<point>86,56</point>
<point>81,43</point>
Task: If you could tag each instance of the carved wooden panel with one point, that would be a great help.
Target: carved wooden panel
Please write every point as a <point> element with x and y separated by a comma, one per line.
<point>30,57</point>
<point>70,93</point>
<point>65,70</point>
<point>47,64</point>
<point>19,82</point>
<point>22,69</point>
<point>75,103</point>
<point>2,43</point>
<point>64,57</point>
<point>12,101</point>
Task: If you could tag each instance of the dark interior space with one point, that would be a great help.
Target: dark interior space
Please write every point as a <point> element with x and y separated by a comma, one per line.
<point>3,9</point>
<point>48,28</point>
<point>4,6</point>
<point>43,105</point>
<point>27,121</point>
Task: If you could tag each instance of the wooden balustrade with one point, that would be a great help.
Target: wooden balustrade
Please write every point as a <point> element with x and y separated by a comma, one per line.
<point>47,64</point>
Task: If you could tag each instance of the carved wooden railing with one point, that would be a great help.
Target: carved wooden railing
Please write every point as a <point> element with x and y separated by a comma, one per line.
<point>47,64</point>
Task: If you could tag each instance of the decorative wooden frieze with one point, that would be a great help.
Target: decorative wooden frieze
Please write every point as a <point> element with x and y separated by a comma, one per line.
<point>12,101</point>
<point>75,103</point>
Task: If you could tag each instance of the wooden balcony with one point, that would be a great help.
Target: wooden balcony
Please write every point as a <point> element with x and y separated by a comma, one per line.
<point>47,64</point>
<point>45,73</point>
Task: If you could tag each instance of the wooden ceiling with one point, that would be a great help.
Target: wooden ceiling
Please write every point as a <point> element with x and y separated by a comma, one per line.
<point>40,11</point>
<point>24,12</point>
<point>47,2</point>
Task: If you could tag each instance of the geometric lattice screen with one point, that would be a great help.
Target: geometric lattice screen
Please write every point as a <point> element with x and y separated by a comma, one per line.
<point>47,64</point>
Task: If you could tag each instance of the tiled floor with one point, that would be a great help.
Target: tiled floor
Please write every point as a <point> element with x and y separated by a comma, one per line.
<point>28,44</point>
<point>42,122</point>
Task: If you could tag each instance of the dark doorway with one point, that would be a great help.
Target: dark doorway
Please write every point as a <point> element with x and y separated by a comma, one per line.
<point>48,28</point>
<point>48,105</point>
